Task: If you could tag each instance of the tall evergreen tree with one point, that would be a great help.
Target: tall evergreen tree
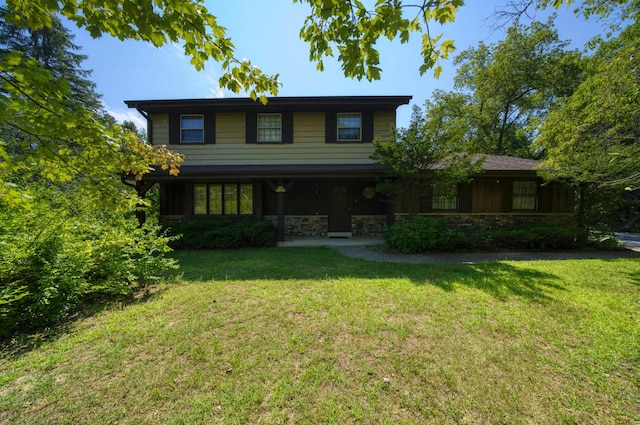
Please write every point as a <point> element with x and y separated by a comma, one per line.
<point>54,49</point>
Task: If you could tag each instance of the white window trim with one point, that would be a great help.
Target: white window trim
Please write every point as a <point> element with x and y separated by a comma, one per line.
<point>271,128</point>
<point>338,127</point>
<point>192,116</point>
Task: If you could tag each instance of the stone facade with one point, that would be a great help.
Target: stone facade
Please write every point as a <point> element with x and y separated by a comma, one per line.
<point>494,221</point>
<point>368,225</point>
<point>303,225</point>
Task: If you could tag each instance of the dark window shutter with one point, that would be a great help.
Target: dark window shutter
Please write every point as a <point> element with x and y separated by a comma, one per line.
<point>367,126</point>
<point>287,127</point>
<point>251,127</point>
<point>331,126</point>
<point>209,128</point>
<point>174,128</point>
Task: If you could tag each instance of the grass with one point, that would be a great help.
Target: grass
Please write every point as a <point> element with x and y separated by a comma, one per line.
<point>308,336</point>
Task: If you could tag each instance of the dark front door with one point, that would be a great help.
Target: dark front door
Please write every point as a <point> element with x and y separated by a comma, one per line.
<point>340,215</point>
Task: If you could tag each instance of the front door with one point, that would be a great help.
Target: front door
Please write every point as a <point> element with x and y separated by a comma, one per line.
<point>340,213</point>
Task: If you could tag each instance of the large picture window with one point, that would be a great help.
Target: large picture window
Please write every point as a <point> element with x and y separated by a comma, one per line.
<point>192,129</point>
<point>524,195</point>
<point>223,199</point>
<point>349,127</point>
<point>269,128</point>
<point>444,196</point>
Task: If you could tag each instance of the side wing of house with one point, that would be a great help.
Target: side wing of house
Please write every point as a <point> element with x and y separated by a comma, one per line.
<point>507,192</point>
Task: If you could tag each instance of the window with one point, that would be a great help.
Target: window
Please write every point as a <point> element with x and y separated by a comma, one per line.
<point>223,199</point>
<point>524,195</point>
<point>269,128</point>
<point>192,129</point>
<point>349,127</point>
<point>444,196</point>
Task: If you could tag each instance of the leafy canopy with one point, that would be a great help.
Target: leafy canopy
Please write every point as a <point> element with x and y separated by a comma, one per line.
<point>592,138</point>
<point>422,154</point>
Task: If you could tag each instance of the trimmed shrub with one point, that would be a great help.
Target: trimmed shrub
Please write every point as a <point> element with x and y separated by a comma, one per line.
<point>223,233</point>
<point>423,234</point>
<point>536,236</point>
<point>419,235</point>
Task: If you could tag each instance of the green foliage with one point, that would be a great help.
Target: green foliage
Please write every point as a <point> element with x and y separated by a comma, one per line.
<point>68,234</point>
<point>539,236</point>
<point>421,234</point>
<point>420,154</point>
<point>159,23</point>
<point>353,29</point>
<point>591,138</point>
<point>424,234</point>
<point>59,252</point>
<point>504,90</point>
<point>223,233</point>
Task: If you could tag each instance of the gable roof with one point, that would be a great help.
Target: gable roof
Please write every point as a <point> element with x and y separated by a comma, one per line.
<point>508,163</point>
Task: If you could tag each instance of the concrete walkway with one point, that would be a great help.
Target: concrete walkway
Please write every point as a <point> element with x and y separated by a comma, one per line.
<point>631,240</point>
<point>371,249</point>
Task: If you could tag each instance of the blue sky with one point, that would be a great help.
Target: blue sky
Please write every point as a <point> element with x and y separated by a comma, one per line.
<point>266,32</point>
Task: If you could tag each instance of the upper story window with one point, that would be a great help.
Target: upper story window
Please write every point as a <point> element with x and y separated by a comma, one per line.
<point>192,129</point>
<point>444,196</point>
<point>524,195</point>
<point>269,128</point>
<point>349,127</point>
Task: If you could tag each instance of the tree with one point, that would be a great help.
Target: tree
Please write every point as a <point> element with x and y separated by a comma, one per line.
<point>422,154</point>
<point>592,138</point>
<point>505,89</point>
<point>54,49</point>
<point>351,28</point>
<point>67,232</point>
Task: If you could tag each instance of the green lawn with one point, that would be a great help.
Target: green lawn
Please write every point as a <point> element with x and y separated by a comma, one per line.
<point>309,336</point>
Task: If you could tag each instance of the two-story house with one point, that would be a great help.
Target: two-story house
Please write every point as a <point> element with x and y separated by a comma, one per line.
<point>304,162</point>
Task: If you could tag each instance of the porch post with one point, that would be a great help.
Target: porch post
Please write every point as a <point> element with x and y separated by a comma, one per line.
<point>280,190</point>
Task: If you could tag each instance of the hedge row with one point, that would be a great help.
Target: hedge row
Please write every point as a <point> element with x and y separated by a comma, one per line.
<point>223,233</point>
<point>424,234</point>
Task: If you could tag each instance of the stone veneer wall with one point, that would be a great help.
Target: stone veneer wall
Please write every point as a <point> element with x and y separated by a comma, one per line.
<point>317,225</point>
<point>494,221</point>
<point>368,225</point>
<point>303,225</point>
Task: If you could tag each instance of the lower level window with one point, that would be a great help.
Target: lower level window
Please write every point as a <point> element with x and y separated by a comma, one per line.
<point>223,199</point>
<point>524,195</point>
<point>444,196</point>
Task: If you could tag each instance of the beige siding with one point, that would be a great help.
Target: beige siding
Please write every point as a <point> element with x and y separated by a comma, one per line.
<point>383,122</point>
<point>308,127</point>
<point>296,153</point>
<point>230,128</point>
<point>308,145</point>
<point>160,129</point>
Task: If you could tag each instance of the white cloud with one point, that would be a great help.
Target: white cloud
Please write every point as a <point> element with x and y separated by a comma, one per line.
<point>214,91</point>
<point>122,115</point>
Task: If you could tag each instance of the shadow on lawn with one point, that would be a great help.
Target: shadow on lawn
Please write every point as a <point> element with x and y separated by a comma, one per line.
<point>498,279</point>
<point>30,339</point>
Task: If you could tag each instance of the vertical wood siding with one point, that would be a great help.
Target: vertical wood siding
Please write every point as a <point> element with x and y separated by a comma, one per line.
<point>486,195</point>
